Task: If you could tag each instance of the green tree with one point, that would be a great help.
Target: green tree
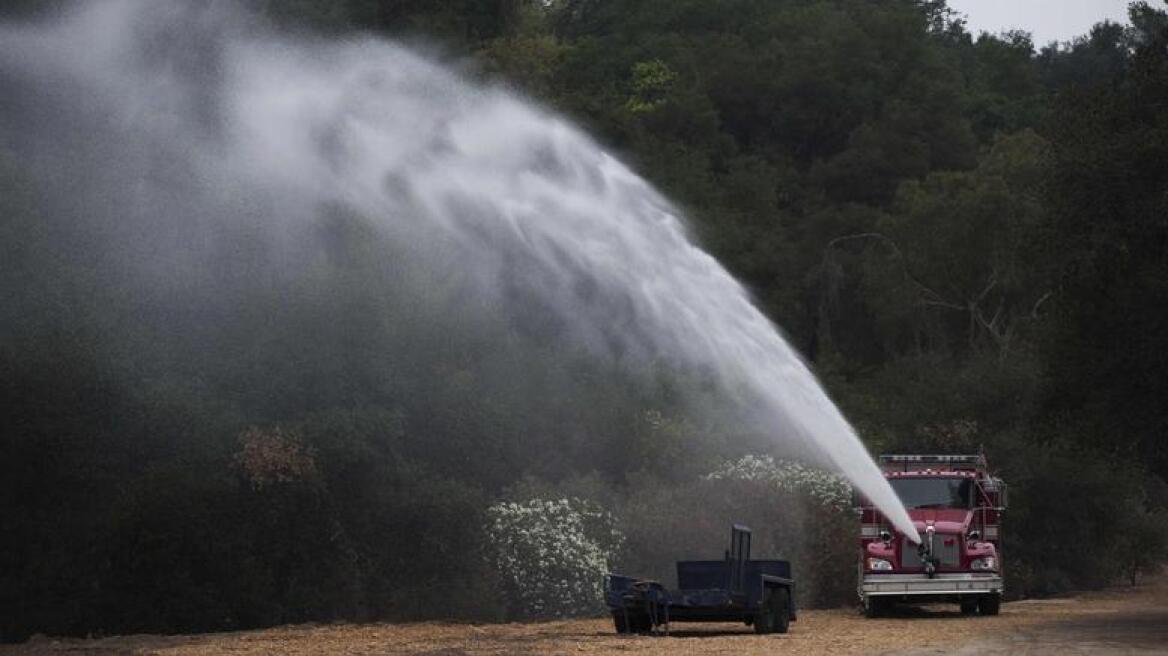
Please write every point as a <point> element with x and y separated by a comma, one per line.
<point>1106,235</point>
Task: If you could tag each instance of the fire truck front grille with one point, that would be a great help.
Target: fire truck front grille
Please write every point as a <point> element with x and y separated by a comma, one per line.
<point>946,548</point>
<point>908,554</point>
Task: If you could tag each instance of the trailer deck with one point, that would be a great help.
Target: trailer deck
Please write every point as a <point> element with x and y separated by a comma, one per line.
<point>736,589</point>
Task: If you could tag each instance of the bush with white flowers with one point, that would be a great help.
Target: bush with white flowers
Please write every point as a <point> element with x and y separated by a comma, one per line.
<point>552,555</point>
<point>826,488</point>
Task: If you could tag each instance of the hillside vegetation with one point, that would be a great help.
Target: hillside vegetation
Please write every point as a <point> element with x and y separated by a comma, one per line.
<point>964,235</point>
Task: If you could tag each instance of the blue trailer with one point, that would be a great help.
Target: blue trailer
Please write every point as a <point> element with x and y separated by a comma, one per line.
<point>735,589</point>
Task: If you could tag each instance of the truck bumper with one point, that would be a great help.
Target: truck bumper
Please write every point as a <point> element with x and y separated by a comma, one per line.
<point>913,585</point>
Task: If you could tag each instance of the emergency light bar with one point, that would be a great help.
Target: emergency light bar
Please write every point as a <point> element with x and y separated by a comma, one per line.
<point>945,458</point>
<point>899,461</point>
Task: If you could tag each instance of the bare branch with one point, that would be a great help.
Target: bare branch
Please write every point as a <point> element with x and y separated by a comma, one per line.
<point>993,282</point>
<point>944,304</point>
<point>1038,304</point>
<point>936,299</point>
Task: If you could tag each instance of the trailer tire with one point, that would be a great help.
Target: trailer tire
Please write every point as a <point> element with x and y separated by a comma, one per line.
<point>764,621</point>
<point>774,613</point>
<point>781,610</point>
<point>626,623</point>
<point>989,604</point>
<point>630,622</point>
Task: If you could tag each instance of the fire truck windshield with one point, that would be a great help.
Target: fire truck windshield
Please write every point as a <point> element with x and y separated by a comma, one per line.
<point>933,492</point>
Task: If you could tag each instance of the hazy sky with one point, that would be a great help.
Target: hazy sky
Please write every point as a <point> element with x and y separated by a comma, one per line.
<point>1046,20</point>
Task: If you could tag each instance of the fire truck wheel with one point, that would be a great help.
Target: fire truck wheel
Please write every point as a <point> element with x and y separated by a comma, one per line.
<point>989,604</point>
<point>969,606</point>
<point>875,607</point>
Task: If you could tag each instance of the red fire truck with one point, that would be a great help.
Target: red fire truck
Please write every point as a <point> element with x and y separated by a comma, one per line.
<point>956,505</point>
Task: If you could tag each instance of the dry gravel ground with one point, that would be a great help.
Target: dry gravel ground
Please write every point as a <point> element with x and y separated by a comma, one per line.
<point>1117,621</point>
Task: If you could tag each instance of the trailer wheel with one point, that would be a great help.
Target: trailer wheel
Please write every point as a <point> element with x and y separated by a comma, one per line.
<point>764,621</point>
<point>630,622</point>
<point>989,604</point>
<point>626,623</point>
<point>774,613</point>
<point>781,609</point>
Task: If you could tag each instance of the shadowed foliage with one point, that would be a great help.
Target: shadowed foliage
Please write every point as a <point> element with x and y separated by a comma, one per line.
<point>964,237</point>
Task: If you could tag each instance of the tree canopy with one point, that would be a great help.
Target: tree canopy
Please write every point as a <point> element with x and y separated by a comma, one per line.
<point>965,237</point>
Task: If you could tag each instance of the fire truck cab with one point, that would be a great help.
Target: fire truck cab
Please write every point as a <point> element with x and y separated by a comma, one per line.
<point>956,506</point>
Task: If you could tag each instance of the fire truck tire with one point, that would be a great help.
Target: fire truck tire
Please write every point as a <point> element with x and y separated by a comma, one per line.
<point>875,607</point>
<point>989,604</point>
<point>969,606</point>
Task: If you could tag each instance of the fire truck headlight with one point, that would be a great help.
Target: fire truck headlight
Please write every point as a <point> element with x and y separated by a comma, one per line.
<point>986,564</point>
<point>879,565</point>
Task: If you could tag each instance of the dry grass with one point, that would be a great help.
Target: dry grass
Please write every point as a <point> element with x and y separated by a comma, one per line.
<point>933,630</point>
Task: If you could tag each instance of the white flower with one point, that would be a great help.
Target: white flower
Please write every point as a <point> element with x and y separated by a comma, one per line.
<point>552,554</point>
<point>826,488</point>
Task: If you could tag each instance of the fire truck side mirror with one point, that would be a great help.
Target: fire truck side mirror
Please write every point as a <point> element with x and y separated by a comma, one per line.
<point>859,503</point>
<point>996,489</point>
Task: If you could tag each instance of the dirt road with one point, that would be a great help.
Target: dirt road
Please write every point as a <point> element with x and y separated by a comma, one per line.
<point>1116,621</point>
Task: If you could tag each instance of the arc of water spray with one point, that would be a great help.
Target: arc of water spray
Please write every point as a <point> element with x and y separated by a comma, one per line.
<point>469,177</point>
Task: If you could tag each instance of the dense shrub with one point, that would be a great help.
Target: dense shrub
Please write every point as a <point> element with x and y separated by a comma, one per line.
<point>830,490</point>
<point>552,555</point>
